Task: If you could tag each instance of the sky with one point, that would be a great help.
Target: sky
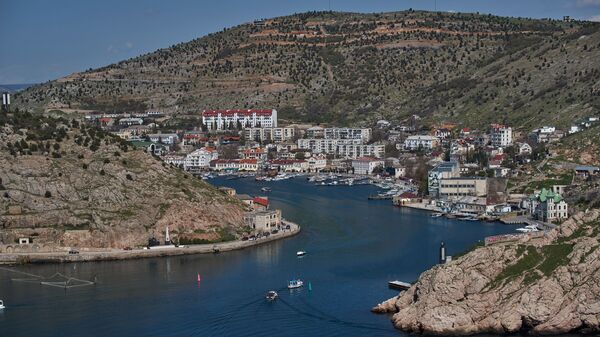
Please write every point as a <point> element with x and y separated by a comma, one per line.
<point>45,40</point>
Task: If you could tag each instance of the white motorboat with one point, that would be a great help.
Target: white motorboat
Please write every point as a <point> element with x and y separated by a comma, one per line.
<point>271,295</point>
<point>293,284</point>
<point>2,305</point>
<point>300,253</point>
<point>528,229</point>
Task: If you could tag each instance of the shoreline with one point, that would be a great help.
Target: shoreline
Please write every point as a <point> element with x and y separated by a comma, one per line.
<point>120,254</point>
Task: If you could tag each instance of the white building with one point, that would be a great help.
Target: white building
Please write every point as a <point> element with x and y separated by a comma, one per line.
<point>348,133</point>
<point>276,135</point>
<point>420,141</point>
<point>317,163</point>
<point>224,119</point>
<point>346,148</point>
<point>164,138</point>
<point>366,165</point>
<point>200,159</point>
<point>501,135</point>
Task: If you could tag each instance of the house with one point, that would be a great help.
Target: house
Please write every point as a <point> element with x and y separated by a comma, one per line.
<point>586,171</point>
<point>366,165</point>
<point>228,190</point>
<point>473,205</point>
<point>442,133</point>
<point>317,163</point>
<point>263,221</point>
<point>524,148</point>
<point>253,153</point>
<point>382,124</point>
<point>164,138</point>
<point>425,142</point>
<point>246,199</point>
<point>178,161</point>
<point>131,121</point>
<point>200,159</point>
<point>549,206</point>
<point>546,134</point>
<point>260,203</point>
<point>500,135</point>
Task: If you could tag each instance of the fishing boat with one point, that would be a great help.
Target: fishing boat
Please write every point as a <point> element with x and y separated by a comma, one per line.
<point>300,253</point>
<point>2,305</point>
<point>271,295</point>
<point>293,284</point>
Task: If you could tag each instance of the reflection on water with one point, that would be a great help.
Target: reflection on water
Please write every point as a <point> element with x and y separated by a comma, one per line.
<point>354,247</point>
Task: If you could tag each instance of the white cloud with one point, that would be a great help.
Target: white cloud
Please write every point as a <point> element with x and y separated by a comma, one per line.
<point>586,3</point>
<point>595,18</point>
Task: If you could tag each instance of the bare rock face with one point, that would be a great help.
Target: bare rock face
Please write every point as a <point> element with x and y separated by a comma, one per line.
<point>549,286</point>
<point>65,194</point>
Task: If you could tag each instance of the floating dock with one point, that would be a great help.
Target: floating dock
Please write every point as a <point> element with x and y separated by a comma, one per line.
<point>399,285</point>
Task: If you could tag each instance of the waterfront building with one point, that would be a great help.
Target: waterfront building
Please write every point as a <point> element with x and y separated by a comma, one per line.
<point>366,165</point>
<point>289,165</point>
<point>200,159</point>
<point>317,163</point>
<point>234,165</point>
<point>227,119</point>
<point>260,203</point>
<point>548,206</point>
<point>463,186</point>
<point>406,198</point>
<point>263,221</point>
<point>473,205</point>
<point>424,142</point>
<point>443,170</point>
<point>501,135</point>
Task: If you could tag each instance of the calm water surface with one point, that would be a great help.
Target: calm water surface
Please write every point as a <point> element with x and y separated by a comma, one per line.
<point>354,247</point>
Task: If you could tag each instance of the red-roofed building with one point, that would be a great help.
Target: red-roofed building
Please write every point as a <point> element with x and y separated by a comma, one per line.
<point>406,198</point>
<point>260,203</point>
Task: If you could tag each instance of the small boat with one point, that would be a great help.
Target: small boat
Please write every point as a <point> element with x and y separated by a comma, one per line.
<point>2,305</point>
<point>271,295</point>
<point>266,189</point>
<point>436,215</point>
<point>293,284</point>
<point>300,253</point>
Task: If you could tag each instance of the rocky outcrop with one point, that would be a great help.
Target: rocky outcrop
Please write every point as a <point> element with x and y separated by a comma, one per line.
<point>550,286</point>
<point>64,191</point>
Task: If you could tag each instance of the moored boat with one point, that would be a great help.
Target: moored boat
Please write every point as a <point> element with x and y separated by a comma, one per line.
<point>2,305</point>
<point>300,253</point>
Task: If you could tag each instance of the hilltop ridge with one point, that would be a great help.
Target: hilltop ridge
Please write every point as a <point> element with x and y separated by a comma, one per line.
<point>356,68</point>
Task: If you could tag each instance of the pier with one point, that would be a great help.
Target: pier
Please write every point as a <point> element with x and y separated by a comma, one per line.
<point>399,285</point>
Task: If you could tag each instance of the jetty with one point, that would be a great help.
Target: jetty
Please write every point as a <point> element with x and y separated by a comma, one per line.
<point>399,285</point>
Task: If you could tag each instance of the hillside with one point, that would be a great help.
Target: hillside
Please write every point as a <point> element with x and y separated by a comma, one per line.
<point>548,284</point>
<point>357,68</point>
<point>65,184</point>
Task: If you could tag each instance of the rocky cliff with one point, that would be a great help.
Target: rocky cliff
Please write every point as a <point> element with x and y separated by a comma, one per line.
<point>66,184</point>
<point>545,285</point>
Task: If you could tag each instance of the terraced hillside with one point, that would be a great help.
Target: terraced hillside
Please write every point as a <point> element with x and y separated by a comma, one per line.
<point>356,68</point>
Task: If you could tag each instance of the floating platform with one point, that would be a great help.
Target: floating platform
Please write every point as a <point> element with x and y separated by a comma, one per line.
<point>399,285</point>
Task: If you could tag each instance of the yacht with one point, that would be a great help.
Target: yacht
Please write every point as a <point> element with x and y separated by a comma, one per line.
<point>300,253</point>
<point>528,229</point>
<point>293,284</point>
<point>271,295</point>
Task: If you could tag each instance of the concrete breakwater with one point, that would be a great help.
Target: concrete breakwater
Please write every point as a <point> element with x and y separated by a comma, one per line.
<point>119,254</point>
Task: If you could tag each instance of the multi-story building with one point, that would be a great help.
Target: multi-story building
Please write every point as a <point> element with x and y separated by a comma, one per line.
<point>263,221</point>
<point>200,159</point>
<point>463,186</point>
<point>226,119</point>
<point>425,142</point>
<point>348,133</point>
<point>366,165</point>
<point>276,135</point>
<point>346,148</point>
<point>317,163</point>
<point>289,165</point>
<point>500,135</point>
<point>445,170</point>
<point>549,206</point>
<point>234,165</point>
<point>258,153</point>
<point>546,134</point>
<point>130,121</point>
